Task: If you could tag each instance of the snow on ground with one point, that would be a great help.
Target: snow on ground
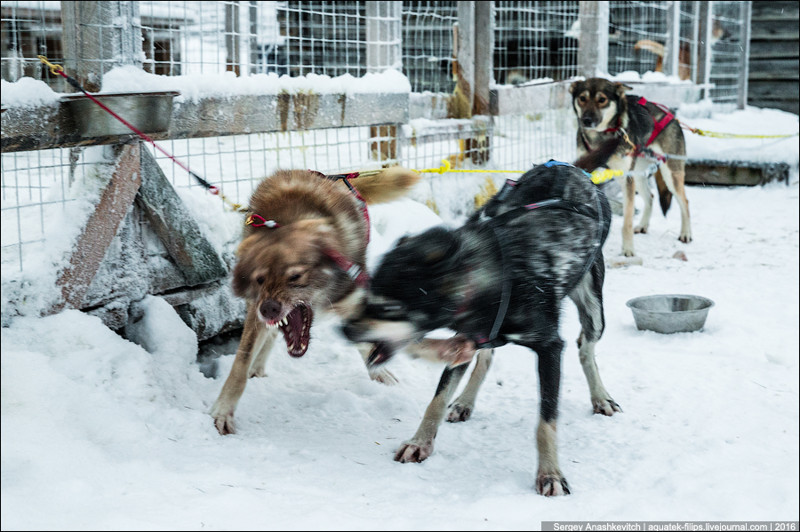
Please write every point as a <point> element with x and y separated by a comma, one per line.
<point>100,433</point>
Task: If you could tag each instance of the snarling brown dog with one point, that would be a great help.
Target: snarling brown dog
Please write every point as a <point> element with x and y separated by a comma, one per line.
<point>303,250</point>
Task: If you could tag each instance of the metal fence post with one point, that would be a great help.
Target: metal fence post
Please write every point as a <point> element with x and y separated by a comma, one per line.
<point>704,56</point>
<point>232,38</point>
<point>593,41</point>
<point>746,9</point>
<point>673,41</point>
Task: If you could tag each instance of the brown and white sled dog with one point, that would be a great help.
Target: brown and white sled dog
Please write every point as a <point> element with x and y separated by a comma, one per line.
<point>303,250</point>
<point>646,131</point>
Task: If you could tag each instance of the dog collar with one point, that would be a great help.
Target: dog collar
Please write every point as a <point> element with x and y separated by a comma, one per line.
<point>353,270</point>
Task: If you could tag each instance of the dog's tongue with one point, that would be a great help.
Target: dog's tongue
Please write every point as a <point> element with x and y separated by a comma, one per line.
<point>296,332</point>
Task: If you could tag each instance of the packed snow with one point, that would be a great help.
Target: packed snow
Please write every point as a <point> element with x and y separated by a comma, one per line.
<point>101,432</point>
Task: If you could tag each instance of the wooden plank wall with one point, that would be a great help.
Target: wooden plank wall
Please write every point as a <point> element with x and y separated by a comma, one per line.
<point>773,79</point>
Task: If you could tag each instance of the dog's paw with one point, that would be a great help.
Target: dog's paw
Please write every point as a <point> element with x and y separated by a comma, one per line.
<point>223,419</point>
<point>627,253</point>
<point>640,229</point>
<point>685,238</point>
<point>551,484</point>
<point>459,412</point>
<point>606,406</point>
<point>384,376</point>
<point>258,372</point>
<point>412,451</point>
<point>225,424</point>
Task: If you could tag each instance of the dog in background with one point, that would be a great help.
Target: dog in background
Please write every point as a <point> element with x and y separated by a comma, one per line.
<point>303,250</point>
<point>684,51</point>
<point>645,133</point>
<point>499,278</point>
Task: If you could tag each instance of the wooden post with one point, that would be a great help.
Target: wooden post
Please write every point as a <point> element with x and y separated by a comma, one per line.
<point>705,23</point>
<point>384,51</point>
<point>746,9</point>
<point>593,41</point>
<point>89,250</point>
<point>232,37</point>
<point>672,47</point>
<point>194,255</point>
<point>461,102</point>
<point>97,37</point>
<point>483,53</point>
<point>478,147</point>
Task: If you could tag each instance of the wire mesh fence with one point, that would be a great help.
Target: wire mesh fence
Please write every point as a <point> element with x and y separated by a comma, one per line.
<point>727,36</point>
<point>532,40</point>
<point>631,23</point>
<point>535,40</point>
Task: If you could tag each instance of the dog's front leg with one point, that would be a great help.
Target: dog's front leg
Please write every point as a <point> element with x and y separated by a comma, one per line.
<point>255,339</point>
<point>420,446</point>
<point>549,480</point>
<point>461,409</point>
<point>628,208</point>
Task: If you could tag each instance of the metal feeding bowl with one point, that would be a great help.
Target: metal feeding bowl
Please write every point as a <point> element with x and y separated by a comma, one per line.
<point>149,112</point>
<point>670,313</point>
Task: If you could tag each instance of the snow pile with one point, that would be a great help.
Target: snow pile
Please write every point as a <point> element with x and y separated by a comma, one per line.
<point>27,92</point>
<point>196,86</point>
<point>100,433</point>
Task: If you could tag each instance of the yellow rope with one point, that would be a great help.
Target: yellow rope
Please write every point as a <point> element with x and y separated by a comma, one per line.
<point>598,176</point>
<point>716,135</point>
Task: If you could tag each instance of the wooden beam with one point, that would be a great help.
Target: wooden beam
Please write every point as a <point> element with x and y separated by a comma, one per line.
<point>101,228</point>
<point>52,125</point>
<point>194,255</point>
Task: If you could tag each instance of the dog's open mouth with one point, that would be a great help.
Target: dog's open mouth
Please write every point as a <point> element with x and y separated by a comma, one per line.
<point>296,329</point>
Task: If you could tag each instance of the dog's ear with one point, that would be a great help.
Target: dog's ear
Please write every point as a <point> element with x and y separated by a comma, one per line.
<point>576,87</point>
<point>621,88</point>
<point>437,245</point>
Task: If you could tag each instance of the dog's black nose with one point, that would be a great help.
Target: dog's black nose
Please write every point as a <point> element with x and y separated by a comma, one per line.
<point>270,309</point>
<point>586,121</point>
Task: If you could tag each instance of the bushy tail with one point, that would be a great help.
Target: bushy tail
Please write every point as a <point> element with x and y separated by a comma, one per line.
<point>664,195</point>
<point>654,47</point>
<point>385,185</point>
<point>600,155</point>
<point>651,46</point>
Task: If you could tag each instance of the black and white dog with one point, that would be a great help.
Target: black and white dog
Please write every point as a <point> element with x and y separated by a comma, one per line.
<point>499,278</point>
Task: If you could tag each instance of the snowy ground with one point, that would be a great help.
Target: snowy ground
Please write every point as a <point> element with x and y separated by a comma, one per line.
<point>100,433</point>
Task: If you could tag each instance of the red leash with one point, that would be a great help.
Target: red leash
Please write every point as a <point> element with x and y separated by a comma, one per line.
<point>59,70</point>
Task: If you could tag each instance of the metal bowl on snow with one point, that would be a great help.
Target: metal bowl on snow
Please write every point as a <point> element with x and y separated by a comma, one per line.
<point>670,313</point>
<point>150,112</point>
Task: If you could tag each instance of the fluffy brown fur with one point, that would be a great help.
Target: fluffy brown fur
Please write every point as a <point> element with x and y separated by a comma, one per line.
<point>288,272</point>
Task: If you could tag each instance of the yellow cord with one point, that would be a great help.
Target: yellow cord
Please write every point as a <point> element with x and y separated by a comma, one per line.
<point>598,176</point>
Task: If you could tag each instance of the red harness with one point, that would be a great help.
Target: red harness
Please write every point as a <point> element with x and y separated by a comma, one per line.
<point>658,127</point>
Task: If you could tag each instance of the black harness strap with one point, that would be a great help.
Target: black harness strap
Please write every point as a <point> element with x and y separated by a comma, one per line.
<point>494,339</point>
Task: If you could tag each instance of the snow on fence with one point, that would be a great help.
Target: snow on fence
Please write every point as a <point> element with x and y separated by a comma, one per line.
<point>333,86</point>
